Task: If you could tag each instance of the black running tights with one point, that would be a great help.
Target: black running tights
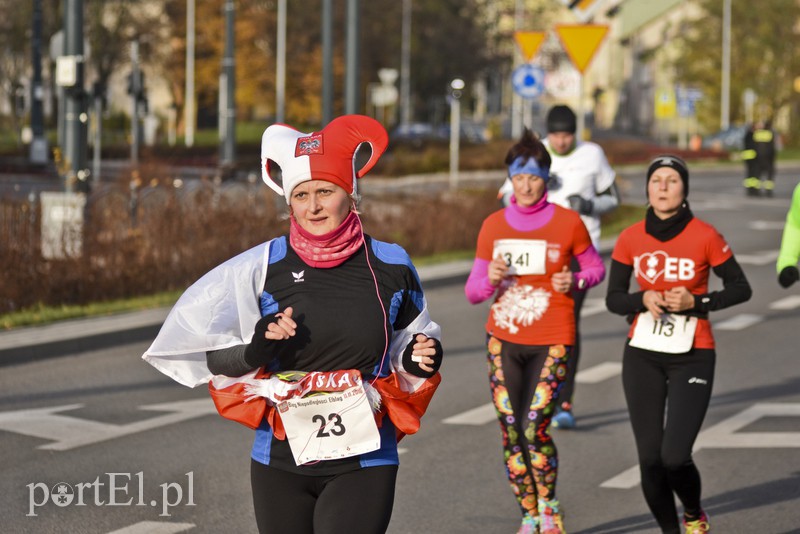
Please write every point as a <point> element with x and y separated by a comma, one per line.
<point>667,397</point>
<point>358,502</point>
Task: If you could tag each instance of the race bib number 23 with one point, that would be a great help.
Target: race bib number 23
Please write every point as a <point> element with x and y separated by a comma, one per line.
<point>330,426</point>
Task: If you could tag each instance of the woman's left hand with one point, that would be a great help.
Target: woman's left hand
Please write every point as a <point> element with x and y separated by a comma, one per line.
<point>423,352</point>
<point>678,299</point>
<point>562,281</point>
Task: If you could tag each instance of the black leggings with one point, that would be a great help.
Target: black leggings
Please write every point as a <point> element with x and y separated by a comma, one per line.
<point>358,502</point>
<point>568,388</point>
<point>667,397</point>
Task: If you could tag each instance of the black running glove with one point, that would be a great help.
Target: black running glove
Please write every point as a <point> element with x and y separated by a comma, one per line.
<point>581,205</point>
<point>789,275</point>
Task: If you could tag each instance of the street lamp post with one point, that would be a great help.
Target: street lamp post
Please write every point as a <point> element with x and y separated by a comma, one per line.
<point>456,86</point>
<point>227,104</point>
<point>726,66</point>
<point>188,107</point>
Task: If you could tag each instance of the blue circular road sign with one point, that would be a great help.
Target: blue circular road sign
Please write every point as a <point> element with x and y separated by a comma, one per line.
<point>528,81</point>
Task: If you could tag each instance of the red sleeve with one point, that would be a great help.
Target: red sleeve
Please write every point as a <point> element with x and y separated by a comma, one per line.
<point>582,240</point>
<point>621,252</point>
<point>717,249</point>
<point>486,238</point>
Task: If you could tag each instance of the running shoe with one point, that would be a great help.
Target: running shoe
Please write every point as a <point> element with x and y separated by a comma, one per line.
<point>563,419</point>
<point>551,520</point>
<point>697,526</point>
<point>530,525</point>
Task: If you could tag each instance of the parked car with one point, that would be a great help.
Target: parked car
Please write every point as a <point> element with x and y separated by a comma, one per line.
<point>415,134</point>
<point>731,139</point>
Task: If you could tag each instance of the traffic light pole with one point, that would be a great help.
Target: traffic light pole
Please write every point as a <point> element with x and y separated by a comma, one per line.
<point>38,150</point>
<point>75,118</point>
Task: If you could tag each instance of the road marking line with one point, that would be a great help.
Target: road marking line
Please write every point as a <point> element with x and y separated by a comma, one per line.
<point>475,417</point>
<point>67,432</point>
<point>592,307</point>
<point>759,258</point>
<point>598,373</point>
<point>155,527</point>
<point>486,413</point>
<point>739,322</point>
<point>727,434</point>
<point>766,225</point>
<point>786,303</point>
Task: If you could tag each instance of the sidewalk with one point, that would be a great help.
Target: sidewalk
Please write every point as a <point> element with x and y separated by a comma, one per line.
<point>63,338</point>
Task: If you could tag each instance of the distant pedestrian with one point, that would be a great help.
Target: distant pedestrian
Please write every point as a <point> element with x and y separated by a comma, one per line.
<point>522,259</point>
<point>789,254</point>
<point>759,154</point>
<point>580,179</point>
<point>320,340</point>
<point>669,357</point>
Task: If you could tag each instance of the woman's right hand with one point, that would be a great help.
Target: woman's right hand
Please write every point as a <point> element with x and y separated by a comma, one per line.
<point>283,327</point>
<point>497,270</point>
<point>654,302</point>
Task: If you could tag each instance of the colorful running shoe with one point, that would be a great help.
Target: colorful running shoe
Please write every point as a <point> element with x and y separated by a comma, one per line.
<point>563,419</point>
<point>551,520</point>
<point>530,525</point>
<point>697,526</point>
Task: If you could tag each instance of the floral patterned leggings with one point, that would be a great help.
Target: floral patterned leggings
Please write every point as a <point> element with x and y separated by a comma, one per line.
<point>525,381</point>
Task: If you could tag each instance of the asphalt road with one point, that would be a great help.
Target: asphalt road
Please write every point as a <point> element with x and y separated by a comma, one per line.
<point>93,440</point>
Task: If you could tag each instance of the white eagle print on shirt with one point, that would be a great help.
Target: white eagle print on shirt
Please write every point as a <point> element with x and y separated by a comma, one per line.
<point>520,306</point>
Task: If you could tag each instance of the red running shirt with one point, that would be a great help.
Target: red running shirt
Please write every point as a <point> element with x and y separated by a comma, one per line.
<point>527,310</point>
<point>684,260</point>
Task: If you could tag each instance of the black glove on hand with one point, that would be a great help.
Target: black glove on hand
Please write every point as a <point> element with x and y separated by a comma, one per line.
<point>580,204</point>
<point>789,275</point>
<point>259,351</point>
<point>413,367</point>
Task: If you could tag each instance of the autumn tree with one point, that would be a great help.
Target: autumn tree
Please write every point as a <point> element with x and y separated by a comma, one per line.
<point>764,44</point>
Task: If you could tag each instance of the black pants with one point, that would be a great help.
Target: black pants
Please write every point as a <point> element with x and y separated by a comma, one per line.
<point>358,502</point>
<point>667,397</point>
<point>568,387</point>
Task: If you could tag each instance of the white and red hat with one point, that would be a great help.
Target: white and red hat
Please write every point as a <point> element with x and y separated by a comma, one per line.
<point>325,155</point>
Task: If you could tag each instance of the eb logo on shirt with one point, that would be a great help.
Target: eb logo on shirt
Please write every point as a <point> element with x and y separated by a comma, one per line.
<point>653,265</point>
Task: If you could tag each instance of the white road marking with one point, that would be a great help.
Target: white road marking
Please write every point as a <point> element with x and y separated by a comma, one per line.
<point>766,225</point>
<point>155,527</point>
<point>739,322</point>
<point>67,432</point>
<point>598,373</point>
<point>727,435</point>
<point>764,257</point>
<point>486,413</point>
<point>786,303</point>
<point>592,307</point>
<point>474,417</point>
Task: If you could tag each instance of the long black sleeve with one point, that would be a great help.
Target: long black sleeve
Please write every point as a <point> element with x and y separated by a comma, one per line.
<point>735,288</point>
<point>229,361</point>
<point>618,299</point>
<point>241,359</point>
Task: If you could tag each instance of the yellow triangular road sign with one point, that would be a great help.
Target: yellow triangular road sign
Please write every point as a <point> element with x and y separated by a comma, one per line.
<point>529,43</point>
<point>581,42</point>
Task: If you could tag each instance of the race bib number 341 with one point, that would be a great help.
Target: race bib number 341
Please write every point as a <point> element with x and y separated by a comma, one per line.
<point>523,256</point>
<point>330,426</point>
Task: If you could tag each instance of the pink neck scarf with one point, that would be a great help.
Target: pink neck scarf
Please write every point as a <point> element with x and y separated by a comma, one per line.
<point>327,250</point>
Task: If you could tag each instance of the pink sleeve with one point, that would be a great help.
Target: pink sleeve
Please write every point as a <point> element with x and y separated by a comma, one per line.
<point>478,287</point>
<point>592,269</point>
